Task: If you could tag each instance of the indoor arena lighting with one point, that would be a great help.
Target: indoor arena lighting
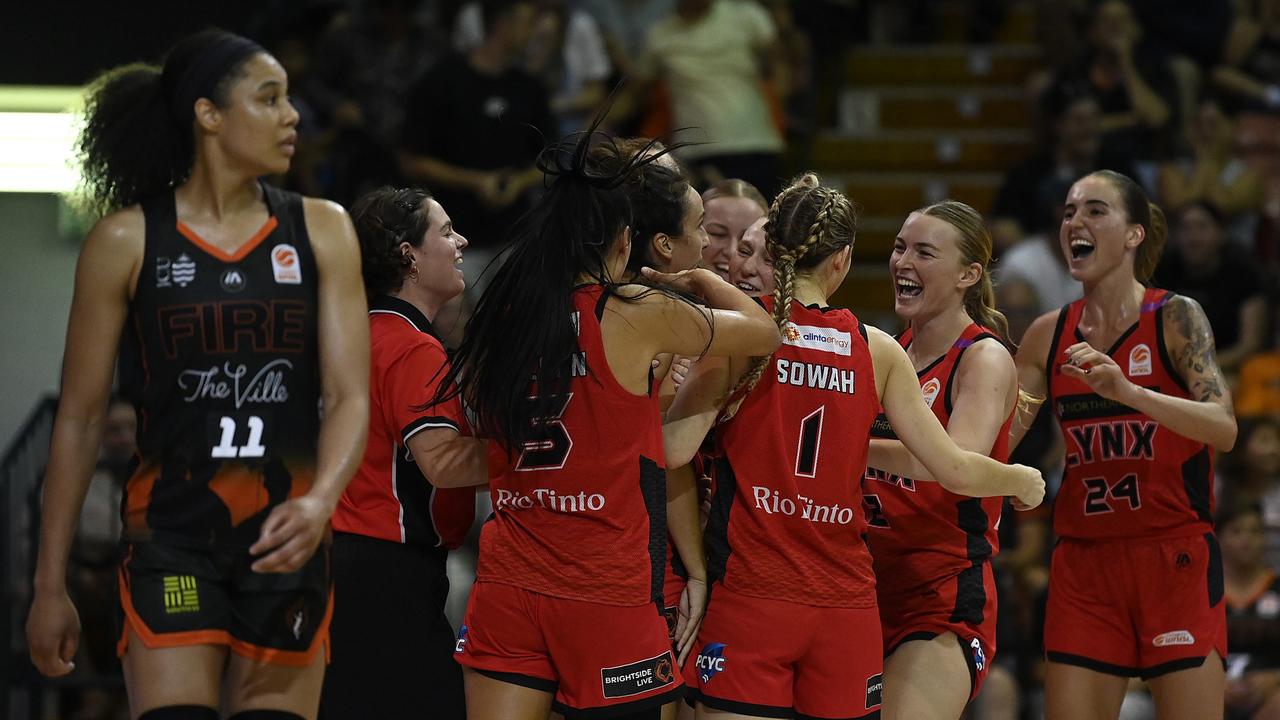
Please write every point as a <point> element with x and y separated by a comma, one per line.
<point>37,133</point>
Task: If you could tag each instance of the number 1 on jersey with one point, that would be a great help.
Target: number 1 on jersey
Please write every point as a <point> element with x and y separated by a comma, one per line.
<point>810,443</point>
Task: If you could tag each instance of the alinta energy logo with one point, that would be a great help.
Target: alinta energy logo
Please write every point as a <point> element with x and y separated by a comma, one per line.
<point>818,338</point>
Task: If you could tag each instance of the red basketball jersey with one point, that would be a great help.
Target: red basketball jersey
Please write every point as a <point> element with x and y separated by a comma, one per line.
<point>1126,476</point>
<point>581,512</point>
<point>921,532</point>
<point>786,521</point>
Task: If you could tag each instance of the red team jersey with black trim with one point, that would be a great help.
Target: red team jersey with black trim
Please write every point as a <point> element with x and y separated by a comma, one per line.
<point>1126,475</point>
<point>581,513</point>
<point>786,520</point>
<point>389,498</point>
<point>921,532</point>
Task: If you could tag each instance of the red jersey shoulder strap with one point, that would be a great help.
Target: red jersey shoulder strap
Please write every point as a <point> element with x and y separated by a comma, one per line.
<point>975,333</point>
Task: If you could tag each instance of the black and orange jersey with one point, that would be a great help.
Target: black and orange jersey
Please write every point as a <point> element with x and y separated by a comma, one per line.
<point>220,360</point>
<point>920,532</point>
<point>1126,475</point>
<point>786,517</point>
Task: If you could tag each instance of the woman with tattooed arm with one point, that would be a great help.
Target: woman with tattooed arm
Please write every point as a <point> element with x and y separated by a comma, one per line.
<point>1136,582</point>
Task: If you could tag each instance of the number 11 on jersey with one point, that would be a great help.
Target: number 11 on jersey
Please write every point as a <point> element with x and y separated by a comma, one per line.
<point>227,432</point>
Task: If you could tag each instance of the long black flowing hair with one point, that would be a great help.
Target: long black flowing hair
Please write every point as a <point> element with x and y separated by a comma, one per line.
<point>515,362</point>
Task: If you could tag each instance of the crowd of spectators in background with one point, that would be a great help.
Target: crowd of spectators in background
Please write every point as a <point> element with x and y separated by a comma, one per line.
<point>1183,95</point>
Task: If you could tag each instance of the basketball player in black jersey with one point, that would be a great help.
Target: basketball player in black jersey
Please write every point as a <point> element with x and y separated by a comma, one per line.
<point>237,310</point>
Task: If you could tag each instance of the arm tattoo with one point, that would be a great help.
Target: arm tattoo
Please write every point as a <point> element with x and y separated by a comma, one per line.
<point>1196,358</point>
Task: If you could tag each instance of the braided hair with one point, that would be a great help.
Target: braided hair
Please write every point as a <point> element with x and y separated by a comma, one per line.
<point>807,223</point>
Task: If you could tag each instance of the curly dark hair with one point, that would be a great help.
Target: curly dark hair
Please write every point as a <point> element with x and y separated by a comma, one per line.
<point>383,219</point>
<point>134,144</point>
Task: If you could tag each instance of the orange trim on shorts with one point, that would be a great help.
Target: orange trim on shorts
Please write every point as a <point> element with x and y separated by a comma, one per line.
<point>150,640</point>
<point>289,658</point>
<point>267,228</point>
<point>257,653</point>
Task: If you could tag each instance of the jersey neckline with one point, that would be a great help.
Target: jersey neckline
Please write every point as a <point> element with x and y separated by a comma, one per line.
<point>245,248</point>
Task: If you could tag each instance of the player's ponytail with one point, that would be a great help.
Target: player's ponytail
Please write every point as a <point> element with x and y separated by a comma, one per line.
<point>807,223</point>
<point>523,327</point>
<point>137,139</point>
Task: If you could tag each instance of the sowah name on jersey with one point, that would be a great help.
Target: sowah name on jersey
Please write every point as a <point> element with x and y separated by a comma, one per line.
<point>772,503</point>
<point>815,375</point>
<point>548,499</point>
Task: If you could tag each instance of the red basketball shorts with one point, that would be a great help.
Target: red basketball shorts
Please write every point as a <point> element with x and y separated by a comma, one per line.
<point>1135,606</point>
<point>772,658</point>
<point>593,657</point>
<point>963,604</point>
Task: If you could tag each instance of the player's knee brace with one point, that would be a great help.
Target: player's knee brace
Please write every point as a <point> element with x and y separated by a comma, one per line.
<point>266,715</point>
<point>180,712</point>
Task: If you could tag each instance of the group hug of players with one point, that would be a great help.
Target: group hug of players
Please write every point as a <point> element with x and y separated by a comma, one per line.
<point>841,568</point>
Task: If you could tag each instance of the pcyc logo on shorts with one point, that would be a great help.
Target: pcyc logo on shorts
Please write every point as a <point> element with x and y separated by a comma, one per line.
<point>1176,637</point>
<point>637,677</point>
<point>710,662</point>
<point>461,645</point>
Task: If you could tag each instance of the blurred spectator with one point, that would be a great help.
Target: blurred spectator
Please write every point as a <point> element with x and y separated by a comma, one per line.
<point>625,25</point>
<point>1194,29</point>
<point>1038,185</point>
<point>1253,616</point>
<point>714,57</point>
<point>1130,79</point>
<point>1210,171</point>
<point>1251,474</point>
<point>474,127</point>
<point>1203,266</point>
<point>92,574</point>
<point>1037,261</point>
<point>566,51</point>
<point>359,85</point>
<point>1258,388</point>
<point>1250,69</point>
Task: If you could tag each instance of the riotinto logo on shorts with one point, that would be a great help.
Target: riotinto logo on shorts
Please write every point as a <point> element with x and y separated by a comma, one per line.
<point>710,662</point>
<point>637,677</point>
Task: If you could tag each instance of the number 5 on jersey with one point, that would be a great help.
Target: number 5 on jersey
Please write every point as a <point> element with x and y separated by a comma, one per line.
<point>549,445</point>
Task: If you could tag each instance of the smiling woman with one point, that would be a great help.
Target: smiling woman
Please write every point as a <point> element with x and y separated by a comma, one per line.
<point>244,311</point>
<point>1142,404</point>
